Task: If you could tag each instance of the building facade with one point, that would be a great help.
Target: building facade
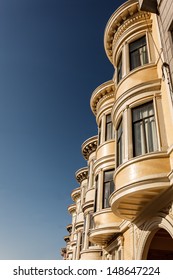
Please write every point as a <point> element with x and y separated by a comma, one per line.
<point>123,206</point>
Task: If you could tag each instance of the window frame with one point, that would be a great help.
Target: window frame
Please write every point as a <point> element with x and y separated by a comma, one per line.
<point>99,132</point>
<point>96,193</point>
<point>145,137</point>
<point>170,30</point>
<point>110,187</point>
<point>119,68</point>
<point>109,131</point>
<point>120,142</point>
<point>139,52</point>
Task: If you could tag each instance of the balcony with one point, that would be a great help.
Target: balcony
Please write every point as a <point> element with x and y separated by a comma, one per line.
<point>106,225</point>
<point>139,183</point>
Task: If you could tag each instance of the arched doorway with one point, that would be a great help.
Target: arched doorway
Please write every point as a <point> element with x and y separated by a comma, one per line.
<point>161,246</point>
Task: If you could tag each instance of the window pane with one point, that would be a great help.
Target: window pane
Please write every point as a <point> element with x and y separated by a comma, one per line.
<point>106,195</point>
<point>108,118</point>
<point>96,191</point>
<point>134,59</point>
<point>137,133</point>
<point>119,144</point>
<point>109,131</point>
<point>119,69</point>
<point>144,129</point>
<point>109,128</point>
<point>108,176</point>
<point>99,133</point>
<point>138,53</point>
<point>108,187</point>
<point>137,44</point>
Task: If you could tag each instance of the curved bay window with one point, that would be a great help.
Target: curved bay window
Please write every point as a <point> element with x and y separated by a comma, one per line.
<point>108,187</point>
<point>144,129</point>
<point>138,53</point>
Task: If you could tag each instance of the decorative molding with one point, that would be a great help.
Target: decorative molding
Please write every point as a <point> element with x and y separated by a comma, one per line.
<point>103,92</point>
<point>72,208</point>
<point>122,19</point>
<point>168,210</point>
<point>137,18</point>
<point>88,206</point>
<point>81,174</point>
<point>89,146</point>
<point>76,194</point>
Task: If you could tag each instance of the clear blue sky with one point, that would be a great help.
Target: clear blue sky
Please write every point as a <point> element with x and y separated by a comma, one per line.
<point>51,59</point>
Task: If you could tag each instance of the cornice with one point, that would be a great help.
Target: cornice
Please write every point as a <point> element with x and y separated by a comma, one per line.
<point>79,225</point>
<point>67,238</point>
<point>69,227</point>
<point>75,194</point>
<point>63,251</point>
<point>101,93</point>
<point>81,174</point>
<point>88,206</point>
<point>89,146</point>
<point>123,18</point>
<point>138,17</point>
<point>72,208</point>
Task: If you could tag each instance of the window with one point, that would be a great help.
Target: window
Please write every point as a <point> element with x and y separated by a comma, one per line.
<point>80,241</point>
<point>96,190</point>
<point>120,143</point>
<point>91,226</point>
<point>171,32</point>
<point>144,129</point>
<point>119,69</point>
<point>99,134</point>
<point>138,53</point>
<point>108,187</point>
<point>109,128</point>
<point>105,129</point>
